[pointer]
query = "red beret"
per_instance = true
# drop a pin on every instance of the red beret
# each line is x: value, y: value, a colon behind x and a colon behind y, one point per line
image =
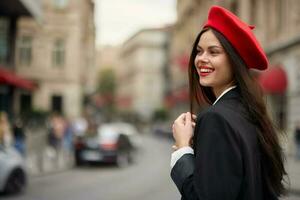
x: 240, y: 35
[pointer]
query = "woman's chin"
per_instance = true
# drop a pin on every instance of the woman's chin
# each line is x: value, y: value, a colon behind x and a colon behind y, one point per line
x: 204, y: 84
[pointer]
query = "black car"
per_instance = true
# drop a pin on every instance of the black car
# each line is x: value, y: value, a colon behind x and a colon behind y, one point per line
x: 113, y: 143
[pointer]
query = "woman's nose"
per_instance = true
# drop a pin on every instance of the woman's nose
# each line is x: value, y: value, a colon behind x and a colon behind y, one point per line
x: 202, y: 58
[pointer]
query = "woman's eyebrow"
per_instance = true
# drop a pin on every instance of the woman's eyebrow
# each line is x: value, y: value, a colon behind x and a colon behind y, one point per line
x: 214, y: 46
x: 210, y: 47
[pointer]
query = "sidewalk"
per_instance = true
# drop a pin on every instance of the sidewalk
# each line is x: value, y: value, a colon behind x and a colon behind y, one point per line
x: 293, y: 170
x: 48, y: 161
x: 41, y: 158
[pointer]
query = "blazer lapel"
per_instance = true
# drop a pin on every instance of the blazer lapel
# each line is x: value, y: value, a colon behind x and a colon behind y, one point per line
x: 232, y: 94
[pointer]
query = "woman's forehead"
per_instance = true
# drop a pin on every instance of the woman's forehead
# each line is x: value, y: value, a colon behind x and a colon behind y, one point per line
x: 208, y: 39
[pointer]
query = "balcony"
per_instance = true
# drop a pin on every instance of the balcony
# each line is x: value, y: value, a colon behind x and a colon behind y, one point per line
x: 16, y: 8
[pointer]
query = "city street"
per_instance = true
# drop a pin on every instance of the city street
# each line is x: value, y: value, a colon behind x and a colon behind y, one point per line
x: 147, y: 179
x: 82, y: 81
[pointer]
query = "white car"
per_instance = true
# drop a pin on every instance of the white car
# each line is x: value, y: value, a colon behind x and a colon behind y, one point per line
x: 13, y: 175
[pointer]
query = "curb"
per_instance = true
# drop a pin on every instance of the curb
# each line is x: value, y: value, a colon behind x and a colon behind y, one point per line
x: 47, y: 164
x: 295, y: 192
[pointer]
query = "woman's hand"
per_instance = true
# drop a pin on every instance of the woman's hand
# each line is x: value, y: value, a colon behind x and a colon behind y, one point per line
x: 183, y: 130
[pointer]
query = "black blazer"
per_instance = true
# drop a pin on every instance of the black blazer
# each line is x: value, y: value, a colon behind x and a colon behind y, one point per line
x: 226, y: 164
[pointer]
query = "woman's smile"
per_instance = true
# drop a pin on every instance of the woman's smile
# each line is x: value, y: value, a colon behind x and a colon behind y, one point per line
x: 205, y: 71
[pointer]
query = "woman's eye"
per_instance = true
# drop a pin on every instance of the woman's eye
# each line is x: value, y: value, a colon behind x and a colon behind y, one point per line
x: 199, y: 51
x: 214, y: 52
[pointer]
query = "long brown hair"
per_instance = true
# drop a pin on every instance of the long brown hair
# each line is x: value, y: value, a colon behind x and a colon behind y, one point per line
x: 273, y: 170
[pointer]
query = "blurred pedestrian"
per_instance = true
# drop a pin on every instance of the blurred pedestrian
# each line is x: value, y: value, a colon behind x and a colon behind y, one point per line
x: 231, y: 150
x: 68, y: 137
x: 19, y: 136
x: 56, y: 130
x: 297, y: 140
x: 80, y: 126
x: 5, y: 130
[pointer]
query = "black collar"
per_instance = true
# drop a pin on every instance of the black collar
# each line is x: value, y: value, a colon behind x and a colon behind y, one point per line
x: 232, y: 94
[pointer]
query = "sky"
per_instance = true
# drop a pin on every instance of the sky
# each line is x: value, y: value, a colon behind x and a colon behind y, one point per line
x: 117, y: 20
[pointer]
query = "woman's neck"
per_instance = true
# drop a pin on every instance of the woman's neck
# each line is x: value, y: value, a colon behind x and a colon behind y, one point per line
x: 219, y: 91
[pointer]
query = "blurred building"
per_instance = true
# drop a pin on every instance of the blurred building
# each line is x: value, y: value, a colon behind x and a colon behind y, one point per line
x: 107, y: 66
x: 277, y: 28
x: 108, y: 57
x: 189, y: 21
x: 142, y: 76
x: 281, y: 37
x: 10, y: 82
x: 58, y: 54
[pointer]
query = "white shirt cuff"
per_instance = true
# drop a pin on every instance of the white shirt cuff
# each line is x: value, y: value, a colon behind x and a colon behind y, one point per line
x: 176, y: 155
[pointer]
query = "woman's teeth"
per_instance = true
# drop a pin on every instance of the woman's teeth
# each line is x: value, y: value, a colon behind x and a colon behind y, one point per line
x: 206, y: 70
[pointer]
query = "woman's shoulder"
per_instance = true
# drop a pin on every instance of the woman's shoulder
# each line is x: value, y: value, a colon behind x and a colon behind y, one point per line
x: 211, y: 114
x: 215, y: 110
x: 227, y: 109
x: 211, y: 123
x: 231, y: 116
x: 222, y: 116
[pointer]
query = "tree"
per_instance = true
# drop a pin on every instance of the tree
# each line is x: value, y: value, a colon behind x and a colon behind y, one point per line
x: 107, y: 82
x: 106, y: 90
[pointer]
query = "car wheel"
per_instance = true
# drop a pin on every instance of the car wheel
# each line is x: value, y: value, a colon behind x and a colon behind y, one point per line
x: 16, y: 182
x: 78, y: 162
x: 123, y: 159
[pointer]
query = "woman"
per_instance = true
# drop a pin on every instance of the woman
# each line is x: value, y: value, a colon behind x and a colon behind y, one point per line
x: 231, y: 151
x: 5, y: 133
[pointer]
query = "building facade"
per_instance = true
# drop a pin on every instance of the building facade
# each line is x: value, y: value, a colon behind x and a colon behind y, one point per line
x: 108, y: 57
x: 10, y: 82
x: 142, y: 72
x: 58, y: 54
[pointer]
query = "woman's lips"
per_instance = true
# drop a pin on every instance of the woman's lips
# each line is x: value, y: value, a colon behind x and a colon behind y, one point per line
x: 205, y: 71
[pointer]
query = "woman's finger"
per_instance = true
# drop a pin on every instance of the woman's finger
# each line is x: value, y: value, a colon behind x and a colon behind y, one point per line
x: 193, y: 124
x: 180, y: 119
x: 188, y: 118
x: 174, y: 147
x: 194, y: 117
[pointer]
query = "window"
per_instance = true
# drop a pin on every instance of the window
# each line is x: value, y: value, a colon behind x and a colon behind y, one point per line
x: 4, y: 98
x: 297, y: 75
x: 4, y: 27
x: 58, y: 54
x: 57, y: 104
x: 280, y: 15
x: 60, y: 4
x: 234, y: 7
x: 25, y: 103
x: 253, y: 12
x: 25, y: 50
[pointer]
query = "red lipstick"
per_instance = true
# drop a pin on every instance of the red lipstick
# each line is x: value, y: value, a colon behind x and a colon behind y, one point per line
x: 205, y: 71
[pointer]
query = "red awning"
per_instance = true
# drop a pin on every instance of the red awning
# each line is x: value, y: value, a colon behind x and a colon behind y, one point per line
x: 124, y: 101
x: 274, y: 80
x: 183, y: 61
x: 9, y: 78
x: 178, y: 96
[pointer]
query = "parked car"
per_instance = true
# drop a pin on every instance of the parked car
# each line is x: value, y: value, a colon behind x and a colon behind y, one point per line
x: 163, y: 130
x: 13, y: 175
x: 114, y: 143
